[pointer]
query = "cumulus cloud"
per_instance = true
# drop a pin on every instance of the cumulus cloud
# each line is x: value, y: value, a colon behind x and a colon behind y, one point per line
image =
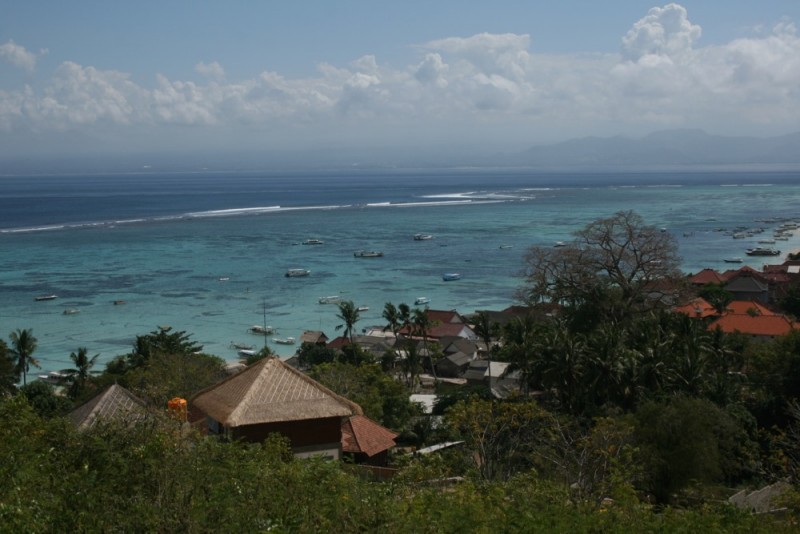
x: 490, y: 84
x: 17, y: 55
x: 664, y: 31
x: 212, y: 71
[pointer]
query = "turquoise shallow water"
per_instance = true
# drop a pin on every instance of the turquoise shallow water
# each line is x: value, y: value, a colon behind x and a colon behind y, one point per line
x: 169, y: 272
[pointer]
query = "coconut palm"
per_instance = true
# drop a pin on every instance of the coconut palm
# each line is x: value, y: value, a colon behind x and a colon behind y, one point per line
x: 348, y: 313
x: 79, y: 376
x: 486, y: 329
x: 422, y: 325
x: 392, y: 316
x: 23, y: 344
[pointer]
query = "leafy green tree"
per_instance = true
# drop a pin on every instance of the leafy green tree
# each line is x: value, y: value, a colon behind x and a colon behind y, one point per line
x: 349, y: 315
x: 168, y: 375
x: 43, y: 399
x: 8, y: 371
x: 160, y: 341
x: 311, y: 354
x: 23, y: 345
x: 520, y: 346
x: 716, y: 295
x: 381, y: 398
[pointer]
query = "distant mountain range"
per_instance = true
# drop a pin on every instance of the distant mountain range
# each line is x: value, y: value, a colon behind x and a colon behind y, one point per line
x: 664, y: 148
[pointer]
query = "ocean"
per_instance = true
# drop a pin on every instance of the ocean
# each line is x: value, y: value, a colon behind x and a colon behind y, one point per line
x: 207, y: 253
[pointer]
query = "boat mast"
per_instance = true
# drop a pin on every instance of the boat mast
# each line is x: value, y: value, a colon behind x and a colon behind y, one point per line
x: 264, y: 309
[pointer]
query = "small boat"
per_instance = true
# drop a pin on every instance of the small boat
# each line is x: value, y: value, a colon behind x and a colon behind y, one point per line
x: 313, y: 242
x: 367, y: 254
x: 502, y: 247
x: 760, y: 251
x: 45, y: 297
x: 332, y: 299
x: 422, y: 300
x: 449, y: 277
x: 224, y: 278
x: 362, y: 308
x: 119, y: 302
x: 262, y: 330
x: 422, y: 237
x: 297, y: 273
x: 54, y: 377
x: 71, y: 311
x: 559, y: 244
x: 242, y: 346
x: 733, y: 260
x: 767, y: 241
x: 247, y: 352
x: 284, y: 340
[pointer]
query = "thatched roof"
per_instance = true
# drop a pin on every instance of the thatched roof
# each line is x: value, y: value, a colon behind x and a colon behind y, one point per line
x: 361, y: 434
x: 115, y: 403
x: 270, y: 391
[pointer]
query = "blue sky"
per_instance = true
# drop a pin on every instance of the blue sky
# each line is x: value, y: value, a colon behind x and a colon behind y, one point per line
x: 96, y: 77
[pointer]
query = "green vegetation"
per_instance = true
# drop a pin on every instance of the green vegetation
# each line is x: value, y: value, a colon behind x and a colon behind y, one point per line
x: 629, y: 418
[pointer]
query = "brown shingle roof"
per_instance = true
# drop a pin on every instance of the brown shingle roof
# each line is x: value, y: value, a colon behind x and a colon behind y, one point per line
x: 707, y: 276
x: 115, y: 403
x: 361, y: 434
x: 271, y: 391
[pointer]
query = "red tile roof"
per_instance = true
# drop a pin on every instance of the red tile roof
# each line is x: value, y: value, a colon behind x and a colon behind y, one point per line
x: 698, y: 307
x: 748, y: 307
x: 706, y: 276
x: 760, y: 325
x: 361, y: 434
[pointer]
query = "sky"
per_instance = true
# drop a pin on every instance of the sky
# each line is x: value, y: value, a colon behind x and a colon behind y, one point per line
x: 99, y: 77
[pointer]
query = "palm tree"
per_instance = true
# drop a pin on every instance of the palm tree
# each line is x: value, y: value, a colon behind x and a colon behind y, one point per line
x: 348, y: 313
x: 392, y: 316
x: 422, y: 324
x: 485, y: 328
x: 519, y: 347
x: 80, y: 374
x: 23, y: 344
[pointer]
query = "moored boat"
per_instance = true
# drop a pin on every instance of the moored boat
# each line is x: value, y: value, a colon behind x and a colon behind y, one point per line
x: 449, y: 277
x: 71, y: 311
x: 313, y: 242
x: 45, y: 297
x: 422, y: 300
x: 422, y: 237
x: 331, y: 299
x: 262, y: 330
x: 297, y: 273
x: 284, y: 340
x: 761, y: 251
x: 367, y: 254
x: 733, y: 260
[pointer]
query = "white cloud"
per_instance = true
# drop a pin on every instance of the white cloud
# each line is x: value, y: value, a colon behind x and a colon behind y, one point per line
x: 487, y: 85
x: 17, y: 55
x: 213, y: 71
x: 663, y: 31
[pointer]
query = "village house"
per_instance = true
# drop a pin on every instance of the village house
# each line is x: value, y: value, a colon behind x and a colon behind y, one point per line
x: 113, y: 404
x: 746, y: 317
x: 270, y: 396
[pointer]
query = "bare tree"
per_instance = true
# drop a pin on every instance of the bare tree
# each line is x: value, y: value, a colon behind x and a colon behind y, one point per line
x: 618, y: 261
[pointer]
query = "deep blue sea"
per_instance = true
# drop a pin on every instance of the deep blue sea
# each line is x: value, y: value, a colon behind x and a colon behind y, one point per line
x: 207, y: 252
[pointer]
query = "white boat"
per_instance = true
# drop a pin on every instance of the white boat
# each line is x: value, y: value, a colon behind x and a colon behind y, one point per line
x: 559, y: 244
x: 331, y: 299
x: 367, y: 254
x: 71, y: 311
x: 242, y: 346
x: 313, y: 242
x: 45, y: 297
x: 362, y: 308
x: 422, y: 300
x: 247, y: 352
x: 449, y: 277
x: 297, y: 273
x: 224, y: 278
x: 733, y: 260
x: 760, y: 251
x: 506, y: 246
x: 422, y: 237
x: 262, y: 330
x: 284, y: 340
